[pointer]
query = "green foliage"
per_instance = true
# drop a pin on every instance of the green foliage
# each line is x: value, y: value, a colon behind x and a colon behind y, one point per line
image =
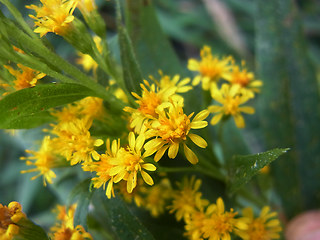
x: 124, y: 224
x: 27, y: 108
x: 290, y: 103
x: 82, y: 196
x: 29, y: 230
x: 152, y: 47
x: 245, y: 167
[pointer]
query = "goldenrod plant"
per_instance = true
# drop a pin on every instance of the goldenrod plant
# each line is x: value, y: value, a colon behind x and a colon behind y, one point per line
x: 125, y: 140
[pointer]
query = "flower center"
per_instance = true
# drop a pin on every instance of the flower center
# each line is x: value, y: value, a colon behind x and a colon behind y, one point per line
x: 149, y: 103
x: 231, y: 105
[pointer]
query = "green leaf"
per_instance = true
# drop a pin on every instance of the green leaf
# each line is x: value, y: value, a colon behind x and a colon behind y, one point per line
x: 290, y: 103
x: 151, y: 46
x: 245, y: 167
x: 29, y: 230
x: 131, y: 69
x: 26, y: 108
x: 82, y: 196
x: 124, y: 224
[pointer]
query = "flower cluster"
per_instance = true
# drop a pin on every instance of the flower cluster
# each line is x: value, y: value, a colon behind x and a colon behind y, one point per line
x: 19, y: 76
x: 239, y: 85
x: 121, y: 163
x: 69, y: 139
x: 64, y: 228
x: 161, y: 118
x: 9, y: 217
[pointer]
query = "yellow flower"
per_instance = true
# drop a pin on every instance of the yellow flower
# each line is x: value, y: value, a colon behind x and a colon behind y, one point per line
x: 102, y: 169
x: 264, y: 227
x: 53, y: 16
x: 167, y: 82
x: 121, y: 163
x: 64, y: 229
x: 211, y: 69
x: 244, y: 79
x: 157, y: 197
x: 172, y: 129
x: 25, y: 77
x: 187, y: 199
x: 149, y: 101
x: 230, y: 98
x: 89, y: 108
x: 87, y: 62
x: 44, y: 160
x: 129, y: 161
x: 9, y: 217
x: 220, y: 223
x: 194, y: 225
x: 74, y: 141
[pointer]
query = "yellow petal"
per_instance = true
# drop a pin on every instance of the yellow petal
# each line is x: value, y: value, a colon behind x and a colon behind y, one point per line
x: 216, y: 119
x: 98, y: 142
x: 95, y: 155
x: 149, y: 167
x: 215, y: 108
x: 192, y: 158
x: 173, y: 150
x: 239, y: 120
x: 139, y: 142
x: 249, y: 110
x: 160, y: 153
x: 193, y: 65
x: 146, y: 177
x: 198, y: 140
x: 132, y: 140
x: 196, y: 80
x: 198, y: 124
x: 201, y: 115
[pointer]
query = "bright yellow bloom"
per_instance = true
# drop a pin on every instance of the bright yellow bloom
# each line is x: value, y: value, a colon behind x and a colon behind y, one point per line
x: 53, y: 16
x: 220, y: 223
x: 74, y: 141
x: 167, y: 82
x: 121, y: 163
x: 187, y: 199
x: 264, y: 227
x: 149, y: 101
x: 25, y: 77
x: 87, y: 62
x: 230, y: 98
x: 129, y: 161
x: 244, y: 79
x: 44, y: 161
x: 64, y: 229
x: 194, y: 225
x: 211, y: 69
x: 9, y: 217
x: 102, y: 169
x: 172, y: 129
x: 89, y: 108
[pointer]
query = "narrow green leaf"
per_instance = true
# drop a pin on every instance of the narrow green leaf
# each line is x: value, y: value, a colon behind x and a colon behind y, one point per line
x: 19, y: 109
x: 245, y: 167
x: 131, y: 69
x: 124, y: 224
x: 82, y: 196
x: 151, y: 46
